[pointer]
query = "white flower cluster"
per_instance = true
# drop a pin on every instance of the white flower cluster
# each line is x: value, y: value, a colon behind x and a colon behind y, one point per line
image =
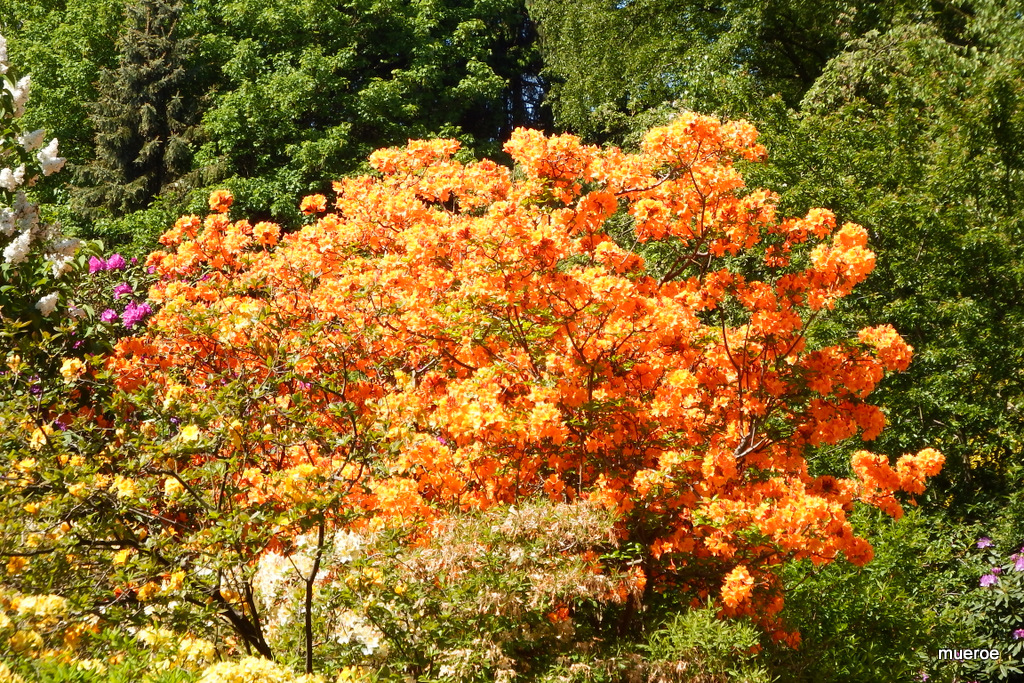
x: 48, y: 159
x: 345, y: 546
x: 353, y: 629
x: 20, y: 222
x: 10, y: 180
x: 19, y: 93
x: 279, y: 580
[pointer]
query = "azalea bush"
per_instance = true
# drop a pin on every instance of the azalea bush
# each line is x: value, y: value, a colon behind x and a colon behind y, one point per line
x: 321, y: 446
x: 458, y: 336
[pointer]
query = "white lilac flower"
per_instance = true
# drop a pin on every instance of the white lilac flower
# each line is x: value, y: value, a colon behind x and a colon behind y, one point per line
x: 11, y: 179
x: 30, y: 142
x: 47, y: 156
x: 7, y: 222
x: 17, y: 250
x: 3, y: 56
x: 59, y: 264
x: 26, y: 214
x: 65, y: 247
x: 20, y: 93
x: 47, y: 304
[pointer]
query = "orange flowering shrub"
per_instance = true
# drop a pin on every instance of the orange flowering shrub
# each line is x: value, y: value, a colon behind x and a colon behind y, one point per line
x: 589, y: 326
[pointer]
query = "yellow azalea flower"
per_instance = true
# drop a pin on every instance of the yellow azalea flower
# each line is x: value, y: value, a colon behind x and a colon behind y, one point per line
x: 121, y: 556
x: 174, y: 393
x: 25, y: 640
x: 39, y: 437
x: 125, y: 487
x: 13, y: 361
x: 77, y: 490
x: 174, y: 582
x: 172, y: 487
x: 155, y: 637
x: 16, y: 564
x: 71, y: 369
x: 189, y: 433
x: 235, y: 431
x: 94, y: 665
x: 42, y: 606
x: 147, y: 591
x: 31, y: 508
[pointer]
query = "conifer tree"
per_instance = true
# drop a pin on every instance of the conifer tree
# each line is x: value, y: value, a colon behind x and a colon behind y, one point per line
x: 144, y: 117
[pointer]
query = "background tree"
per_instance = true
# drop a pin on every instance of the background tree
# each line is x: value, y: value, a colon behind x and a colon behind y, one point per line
x: 611, y: 60
x: 66, y: 43
x: 309, y: 89
x: 145, y: 114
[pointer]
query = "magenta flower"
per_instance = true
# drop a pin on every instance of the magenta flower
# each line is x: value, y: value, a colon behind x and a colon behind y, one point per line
x: 989, y: 580
x: 122, y: 289
x: 116, y: 262
x: 985, y: 542
x: 96, y: 265
x: 1018, y: 563
x: 108, y: 316
x: 997, y: 570
x: 1018, y: 634
x: 133, y: 313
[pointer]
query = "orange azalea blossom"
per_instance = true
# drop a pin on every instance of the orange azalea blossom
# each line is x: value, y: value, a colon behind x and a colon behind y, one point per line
x: 503, y: 341
x: 220, y: 201
x: 314, y: 203
x: 738, y: 587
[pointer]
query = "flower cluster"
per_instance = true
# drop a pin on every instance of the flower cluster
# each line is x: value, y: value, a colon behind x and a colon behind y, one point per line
x: 115, y: 289
x: 19, y: 218
x: 253, y: 670
x: 176, y: 651
x: 277, y: 586
x: 114, y: 262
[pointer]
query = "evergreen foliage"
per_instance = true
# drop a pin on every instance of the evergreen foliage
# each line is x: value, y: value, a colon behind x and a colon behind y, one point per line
x: 145, y: 115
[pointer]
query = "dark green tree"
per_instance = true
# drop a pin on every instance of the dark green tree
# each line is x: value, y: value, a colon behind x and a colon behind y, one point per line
x: 145, y: 116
